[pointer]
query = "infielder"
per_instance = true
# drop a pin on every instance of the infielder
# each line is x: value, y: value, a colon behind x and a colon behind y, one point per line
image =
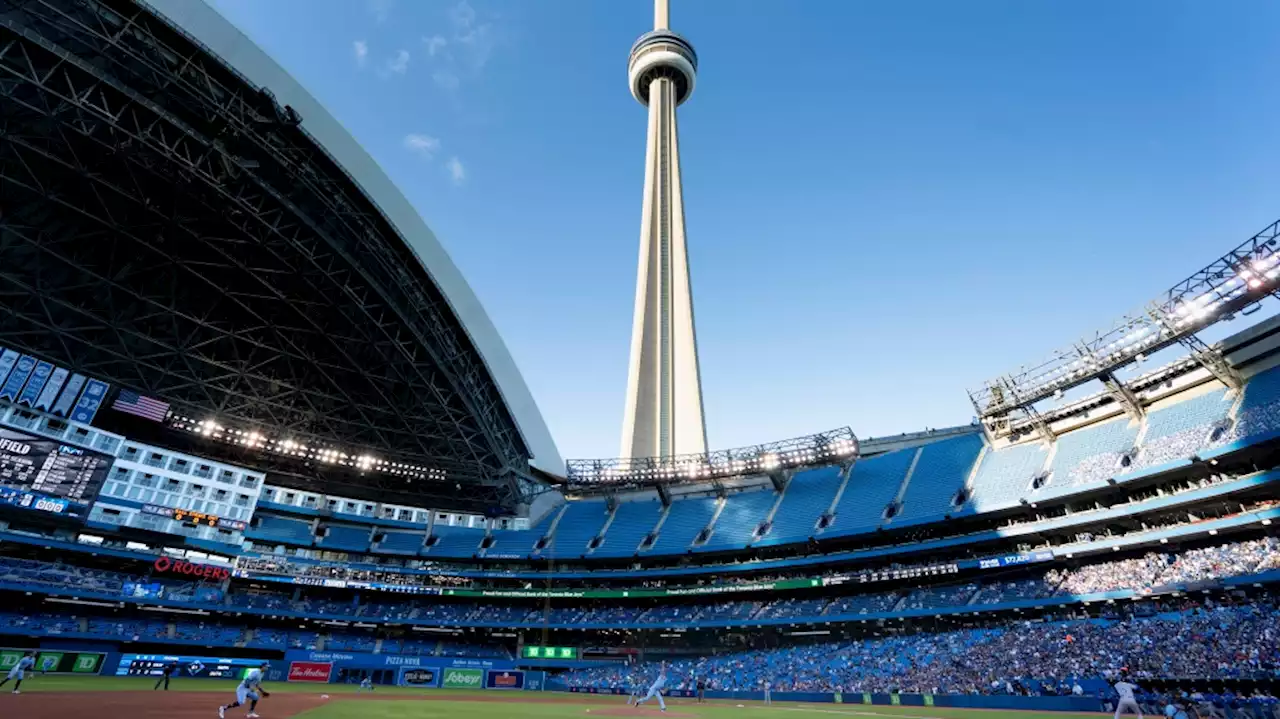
x: 248, y: 690
x: 19, y: 671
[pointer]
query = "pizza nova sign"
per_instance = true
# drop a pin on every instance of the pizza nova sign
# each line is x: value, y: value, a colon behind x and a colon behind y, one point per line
x: 168, y: 565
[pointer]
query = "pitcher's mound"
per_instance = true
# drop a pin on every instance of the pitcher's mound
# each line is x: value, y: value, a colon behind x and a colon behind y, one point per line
x: 653, y: 713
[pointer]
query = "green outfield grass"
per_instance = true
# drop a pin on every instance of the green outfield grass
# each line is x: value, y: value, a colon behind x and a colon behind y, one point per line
x: 477, y: 704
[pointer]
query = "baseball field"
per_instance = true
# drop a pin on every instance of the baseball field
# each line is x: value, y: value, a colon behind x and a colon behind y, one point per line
x: 63, y: 697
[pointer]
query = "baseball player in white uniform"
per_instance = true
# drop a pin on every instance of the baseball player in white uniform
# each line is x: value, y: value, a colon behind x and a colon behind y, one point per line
x: 250, y: 690
x: 1127, y: 701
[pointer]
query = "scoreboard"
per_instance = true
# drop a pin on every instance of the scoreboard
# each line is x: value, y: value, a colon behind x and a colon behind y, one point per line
x: 187, y: 516
x: 47, y: 475
x: 152, y: 665
x: 537, y: 652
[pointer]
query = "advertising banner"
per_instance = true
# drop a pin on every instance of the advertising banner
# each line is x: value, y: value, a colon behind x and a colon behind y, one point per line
x: 419, y: 677
x: 504, y: 680
x: 462, y: 678
x: 317, y: 672
x: 54, y: 662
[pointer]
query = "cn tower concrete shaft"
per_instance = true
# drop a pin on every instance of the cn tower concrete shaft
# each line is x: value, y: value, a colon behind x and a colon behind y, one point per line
x: 664, y: 388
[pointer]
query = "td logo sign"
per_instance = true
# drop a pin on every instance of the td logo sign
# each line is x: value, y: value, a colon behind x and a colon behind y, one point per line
x: 462, y: 678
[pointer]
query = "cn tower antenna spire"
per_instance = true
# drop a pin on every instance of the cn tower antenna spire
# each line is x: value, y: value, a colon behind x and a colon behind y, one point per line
x: 664, y: 415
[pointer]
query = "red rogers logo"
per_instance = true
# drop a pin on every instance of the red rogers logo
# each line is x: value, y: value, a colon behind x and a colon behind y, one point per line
x: 182, y: 566
x: 310, y: 671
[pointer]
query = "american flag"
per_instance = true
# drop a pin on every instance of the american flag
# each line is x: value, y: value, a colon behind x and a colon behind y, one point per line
x: 135, y: 404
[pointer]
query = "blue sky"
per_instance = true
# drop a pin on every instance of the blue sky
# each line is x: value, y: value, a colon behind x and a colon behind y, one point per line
x: 888, y: 201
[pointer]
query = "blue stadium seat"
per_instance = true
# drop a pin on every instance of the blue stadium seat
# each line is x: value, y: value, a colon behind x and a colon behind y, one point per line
x: 455, y: 542
x: 872, y: 486
x: 685, y: 519
x: 281, y: 529
x: 1089, y: 455
x: 807, y: 497
x: 738, y: 520
x: 580, y: 524
x: 1179, y: 430
x: 520, y: 543
x: 402, y: 542
x: 1005, y: 476
x: 942, y: 470
x: 631, y: 522
x: 1260, y: 408
x: 344, y: 538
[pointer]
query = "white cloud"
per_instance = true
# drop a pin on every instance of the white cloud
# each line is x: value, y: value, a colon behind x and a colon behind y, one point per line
x: 424, y: 145
x: 400, y: 63
x: 436, y: 44
x: 463, y: 54
x: 476, y: 38
x: 457, y: 172
x: 361, y: 50
x: 446, y: 79
x: 380, y: 9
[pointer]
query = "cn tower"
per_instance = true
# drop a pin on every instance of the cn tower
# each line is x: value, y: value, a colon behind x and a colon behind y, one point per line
x: 664, y: 389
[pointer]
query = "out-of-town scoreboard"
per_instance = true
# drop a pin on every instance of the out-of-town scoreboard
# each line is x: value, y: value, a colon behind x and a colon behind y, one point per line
x: 538, y: 652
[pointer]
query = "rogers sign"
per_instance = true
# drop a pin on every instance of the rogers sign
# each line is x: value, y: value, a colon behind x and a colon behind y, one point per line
x: 182, y: 566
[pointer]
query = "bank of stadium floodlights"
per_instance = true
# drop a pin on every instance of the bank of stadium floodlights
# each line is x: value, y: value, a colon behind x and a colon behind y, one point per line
x: 1240, y: 278
x: 837, y: 446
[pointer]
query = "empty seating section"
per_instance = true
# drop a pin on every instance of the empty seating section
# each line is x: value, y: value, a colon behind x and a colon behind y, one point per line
x: 1090, y: 454
x: 784, y: 608
x: 685, y: 519
x: 940, y: 472
x: 274, y: 638
x: 936, y: 597
x: 350, y: 642
x: 478, y: 651
x: 998, y: 592
x: 520, y: 542
x: 807, y: 497
x: 1260, y: 410
x: 737, y: 522
x: 631, y: 522
x: 416, y: 647
x: 281, y: 529
x: 352, y: 539
x: 872, y: 486
x: 581, y: 522
x: 386, y: 612
x: 1179, y: 430
x: 730, y: 610
x: 862, y: 604
x: 402, y: 542
x: 455, y: 541
x: 303, y: 640
x: 1005, y: 476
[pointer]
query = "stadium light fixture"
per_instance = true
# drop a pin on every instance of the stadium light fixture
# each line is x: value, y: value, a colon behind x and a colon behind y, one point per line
x: 825, y: 448
x: 1239, y: 278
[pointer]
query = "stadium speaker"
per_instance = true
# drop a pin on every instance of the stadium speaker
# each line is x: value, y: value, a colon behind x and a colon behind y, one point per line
x: 380, y: 537
x: 322, y: 532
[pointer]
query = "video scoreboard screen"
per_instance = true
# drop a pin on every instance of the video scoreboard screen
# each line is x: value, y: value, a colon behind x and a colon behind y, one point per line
x: 187, y: 516
x: 46, y: 475
x: 536, y: 652
x: 152, y: 665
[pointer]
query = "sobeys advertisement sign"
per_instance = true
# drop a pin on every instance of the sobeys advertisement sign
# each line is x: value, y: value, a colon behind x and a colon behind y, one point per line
x: 462, y: 678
